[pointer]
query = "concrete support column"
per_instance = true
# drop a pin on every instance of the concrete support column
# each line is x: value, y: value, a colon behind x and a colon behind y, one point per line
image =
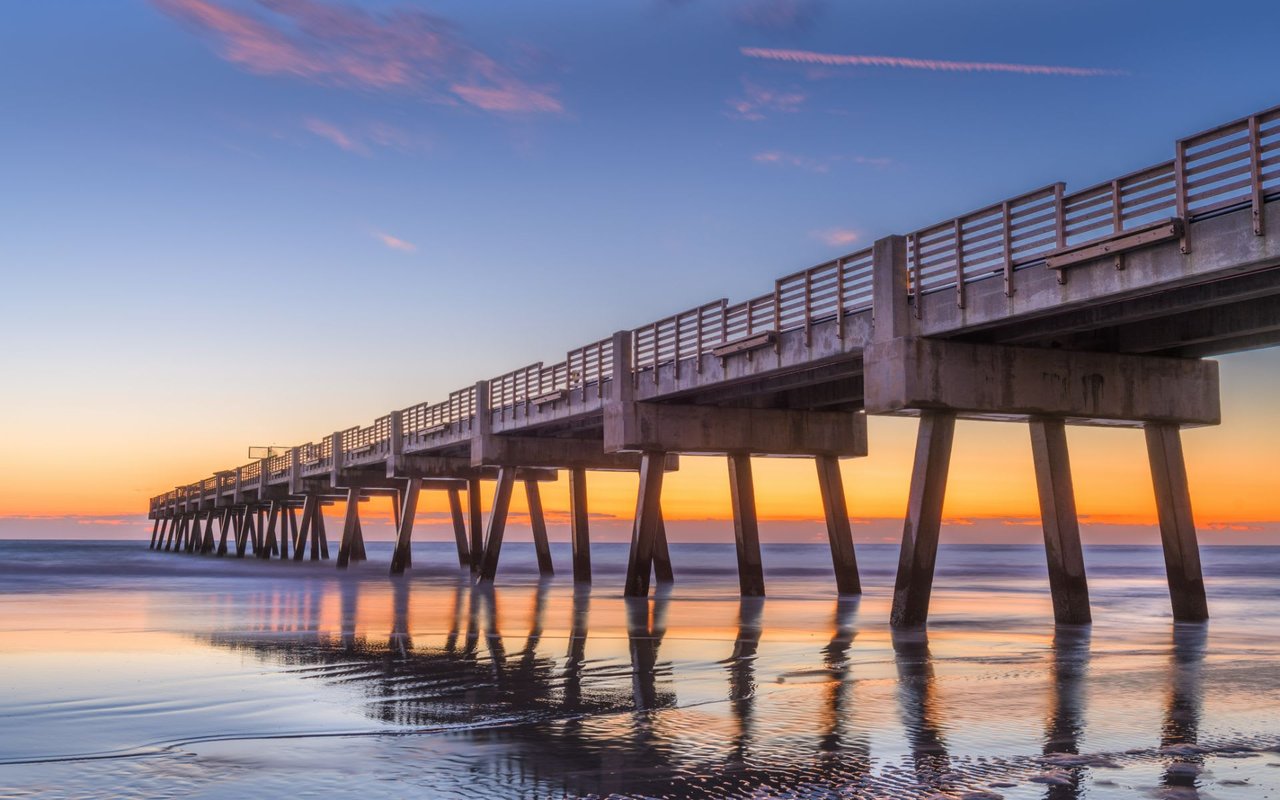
x: 155, y: 528
x: 662, y: 572
x: 1177, y: 528
x: 319, y: 538
x: 404, y: 531
x: 172, y: 524
x: 310, y: 504
x: 288, y: 530
x: 459, y: 528
x: 350, y: 522
x: 206, y: 546
x: 538, y: 522
x: 357, y: 546
x: 843, y: 559
x: 746, y: 527
x: 475, y: 523
x: 497, y: 523
x: 244, y: 531
x: 224, y: 525
x: 648, y: 523
x: 1061, y: 527
x: 175, y: 539
x: 273, y: 516
x: 924, y: 519
x: 579, y: 531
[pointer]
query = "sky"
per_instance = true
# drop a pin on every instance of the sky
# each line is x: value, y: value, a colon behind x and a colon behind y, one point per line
x: 246, y: 222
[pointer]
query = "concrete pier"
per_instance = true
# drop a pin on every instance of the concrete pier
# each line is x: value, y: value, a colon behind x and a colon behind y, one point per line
x: 1098, y: 306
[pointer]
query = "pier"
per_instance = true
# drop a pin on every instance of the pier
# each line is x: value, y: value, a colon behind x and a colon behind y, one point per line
x: 1098, y: 306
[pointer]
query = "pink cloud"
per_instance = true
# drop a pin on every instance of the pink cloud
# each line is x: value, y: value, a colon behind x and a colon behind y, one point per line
x: 757, y: 100
x: 835, y: 60
x: 811, y: 164
x: 363, y: 138
x: 805, y: 163
x: 403, y: 50
x: 837, y: 237
x: 394, y: 243
x: 335, y: 135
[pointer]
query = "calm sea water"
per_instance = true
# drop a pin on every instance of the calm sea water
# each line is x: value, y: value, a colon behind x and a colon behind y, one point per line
x: 126, y: 673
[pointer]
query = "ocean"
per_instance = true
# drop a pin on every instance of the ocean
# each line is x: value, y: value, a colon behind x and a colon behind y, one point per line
x: 131, y: 674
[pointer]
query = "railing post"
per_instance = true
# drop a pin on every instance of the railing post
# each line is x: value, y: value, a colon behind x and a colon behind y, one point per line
x: 1007, y: 239
x: 840, y: 298
x: 958, y: 236
x: 676, y: 365
x: 1180, y: 192
x: 483, y: 416
x: 237, y: 496
x: 655, y: 353
x: 335, y: 462
x: 295, y: 470
x: 599, y: 371
x: 913, y: 246
x: 395, y: 442
x: 888, y: 280
x: 1117, y: 219
x: 697, y: 349
x: 1255, y: 173
x: 808, y: 308
x: 1060, y: 224
x: 777, y: 316
x: 624, y: 388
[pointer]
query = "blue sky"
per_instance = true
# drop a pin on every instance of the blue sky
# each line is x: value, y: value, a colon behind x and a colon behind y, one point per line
x: 216, y: 209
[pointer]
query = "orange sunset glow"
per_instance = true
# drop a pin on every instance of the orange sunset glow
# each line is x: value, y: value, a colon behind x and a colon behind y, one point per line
x: 1231, y: 468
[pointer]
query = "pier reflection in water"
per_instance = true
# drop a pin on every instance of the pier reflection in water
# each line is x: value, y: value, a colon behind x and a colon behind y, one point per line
x: 303, y: 683
x: 584, y: 695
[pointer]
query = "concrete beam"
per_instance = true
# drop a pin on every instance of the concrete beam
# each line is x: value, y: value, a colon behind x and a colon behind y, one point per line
x: 980, y: 381
x: 459, y: 469
x: 534, y: 451
x: 657, y: 427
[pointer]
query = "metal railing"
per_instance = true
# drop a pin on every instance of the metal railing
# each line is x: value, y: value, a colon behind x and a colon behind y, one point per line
x: 1231, y: 166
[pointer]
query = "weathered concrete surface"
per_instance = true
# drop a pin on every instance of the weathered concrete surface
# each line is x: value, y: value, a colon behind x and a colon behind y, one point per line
x: 532, y: 451
x: 664, y: 428
x: 1177, y: 524
x: 1000, y: 382
x: 1220, y: 246
x: 1062, y: 548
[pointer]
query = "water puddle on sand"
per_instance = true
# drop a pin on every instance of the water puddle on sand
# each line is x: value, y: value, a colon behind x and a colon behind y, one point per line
x: 188, y: 677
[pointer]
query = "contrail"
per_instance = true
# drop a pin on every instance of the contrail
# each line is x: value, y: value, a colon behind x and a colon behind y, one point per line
x: 835, y: 60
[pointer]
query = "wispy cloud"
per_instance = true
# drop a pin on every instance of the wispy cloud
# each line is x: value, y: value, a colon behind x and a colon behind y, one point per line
x: 935, y: 65
x: 363, y: 138
x: 395, y: 243
x: 335, y: 135
x: 757, y: 101
x: 836, y: 237
x: 404, y: 50
x: 776, y: 157
x: 811, y: 164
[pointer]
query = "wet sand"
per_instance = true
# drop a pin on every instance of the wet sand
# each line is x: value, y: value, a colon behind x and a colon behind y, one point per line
x: 127, y: 673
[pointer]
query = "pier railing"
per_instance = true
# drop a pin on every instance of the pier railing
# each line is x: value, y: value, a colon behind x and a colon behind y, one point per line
x: 1231, y: 166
